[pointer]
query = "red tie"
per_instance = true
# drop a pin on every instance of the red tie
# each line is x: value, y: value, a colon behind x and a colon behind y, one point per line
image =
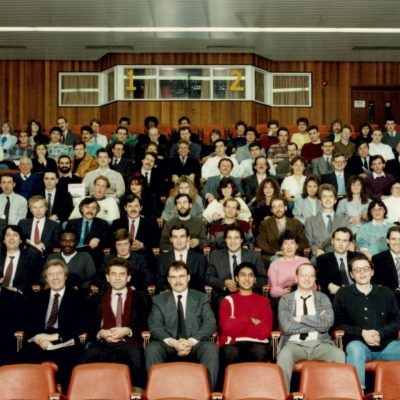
x: 9, y: 272
x: 132, y: 230
x: 36, y: 235
x: 118, y: 318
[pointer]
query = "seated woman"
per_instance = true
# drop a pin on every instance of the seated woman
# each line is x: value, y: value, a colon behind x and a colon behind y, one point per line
x: 292, y: 185
x: 392, y: 202
x: 308, y: 204
x: 365, y: 134
x: 186, y: 186
x: 371, y: 237
x: 35, y: 132
x: 226, y: 190
x: 355, y: 205
x: 40, y: 162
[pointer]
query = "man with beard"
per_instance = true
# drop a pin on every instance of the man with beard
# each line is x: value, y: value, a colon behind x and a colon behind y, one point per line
x: 65, y: 174
x: 197, y: 229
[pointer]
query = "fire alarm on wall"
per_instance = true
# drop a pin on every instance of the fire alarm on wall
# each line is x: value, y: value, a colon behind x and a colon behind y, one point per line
x: 324, y: 83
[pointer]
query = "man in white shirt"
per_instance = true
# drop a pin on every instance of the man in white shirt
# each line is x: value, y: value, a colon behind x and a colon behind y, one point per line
x: 376, y: 147
x: 98, y: 138
x: 13, y: 207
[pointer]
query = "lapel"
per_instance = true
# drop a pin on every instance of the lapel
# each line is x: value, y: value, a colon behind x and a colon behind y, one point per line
x: 20, y: 266
x: 274, y: 227
x: 172, y: 313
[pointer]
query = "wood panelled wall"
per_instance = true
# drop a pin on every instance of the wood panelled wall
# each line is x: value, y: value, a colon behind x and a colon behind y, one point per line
x: 28, y: 89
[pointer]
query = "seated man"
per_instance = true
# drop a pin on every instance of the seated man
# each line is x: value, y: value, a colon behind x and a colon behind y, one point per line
x: 323, y: 165
x: 65, y: 176
x: 301, y: 136
x: 219, y: 274
x: 120, y: 316
x: 370, y: 317
x: 80, y: 265
x: 196, y: 263
x: 245, y: 320
x: 87, y: 138
x: 83, y: 162
x: 360, y: 163
x: 27, y: 183
x: 121, y: 162
x: 58, y: 316
x: 345, y: 146
x: 313, y: 149
x: 378, y: 183
x: 180, y: 323
x: 185, y: 134
x: 305, y: 316
x: 338, y: 178
x: 56, y: 148
x: 13, y: 207
x: 278, y: 152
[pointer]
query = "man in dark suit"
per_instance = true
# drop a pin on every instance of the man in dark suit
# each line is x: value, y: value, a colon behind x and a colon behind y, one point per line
x: 251, y: 183
x: 332, y: 267
x: 180, y: 323
x: 27, y: 184
x: 219, y: 274
x: 387, y: 263
x: 59, y: 203
x: 68, y: 137
x: 392, y: 167
x: 65, y: 176
x: 195, y: 148
x: 391, y: 137
x: 119, y: 163
x: 196, y: 262
x: 120, y: 316
x: 338, y: 178
x: 40, y: 232
x: 20, y: 268
x: 360, y: 164
x: 58, y: 315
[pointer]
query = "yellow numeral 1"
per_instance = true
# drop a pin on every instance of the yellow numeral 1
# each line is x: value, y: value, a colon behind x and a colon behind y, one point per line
x: 131, y: 87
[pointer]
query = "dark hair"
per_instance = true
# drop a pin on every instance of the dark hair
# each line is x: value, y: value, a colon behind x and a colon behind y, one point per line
x: 327, y: 187
x: 180, y: 195
x: 124, y: 119
x: 395, y: 228
x: 363, y: 194
x: 117, y: 142
x: 225, y: 182
x: 217, y: 141
x: 150, y: 119
x: 37, y: 144
x: 69, y: 231
x: 245, y: 264
x: 283, y: 128
x: 251, y: 129
x: 327, y: 139
x: 260, y: 197
x: 363, y: 125
x: 183, y: 119
x: 335, y: 121
x: 394, y: 182
x: 86, y: 201
x: 130, y: 198
x: 86, y: 128
x: 63, y: 156
x: 311, y: 127
x: 361, y: 142
x: 14, y: 228
x: 293, y: 144
x: 7, y: 176
x: 255, y: 144
x: 177, y: 227
x: 177, y: 265
x: 347, y: 126
x: 56, y: 129
x: 258, y: 158
x: 38, y: 123
x: 377, y: 157
x: 376, y: 202
x: 272, y: 122
x: 302, y: 119
x: 310, y: 178
x: 184, y: 128
x: 122, y: 234
x: 288, y: 235
x: 124, y: 128
x: 234, y: 228
x: 240, y: 122
x: 343, y: 229
x: 301, y: 159
x: 337, y: 155
x: 102, y: 150
x: 140, y: 179
x: 80, y: 143
x: 360, y: 257
x: 118, y: 262
x: 95, y: 120
x: 225, y: 159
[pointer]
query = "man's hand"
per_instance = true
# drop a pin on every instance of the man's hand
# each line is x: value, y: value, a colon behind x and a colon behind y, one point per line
x: 371, y: 337
x: 137, y: 245
x: 231, y: 285
x: 54, y: 217
x: 94, y: 243
x: 255, y: 321
x: 333, y: 288
x: 43, y: 340
x: 194, y: 243
x: 319, y: 252
x: 187, y: 347
x: 114, y: 335
x: 210, y: 198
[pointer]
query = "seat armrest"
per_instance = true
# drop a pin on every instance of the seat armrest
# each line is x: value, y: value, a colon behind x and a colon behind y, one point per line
x: 275, y: 336
x: 297, y: 396
x: 373, y: 396
x: 136, y: 396
x: 338, y: 338
x: 146, y: 338
x: 217, y: 396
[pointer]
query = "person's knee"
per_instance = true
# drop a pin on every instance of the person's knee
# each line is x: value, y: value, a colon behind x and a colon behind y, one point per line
x: 356, y: 350
x: 339, y: 356
x: 285, y: 357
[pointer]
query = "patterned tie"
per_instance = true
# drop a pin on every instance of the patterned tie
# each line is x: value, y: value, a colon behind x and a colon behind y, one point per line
x: 9, y: 271
x: 234, y: 264
x: 303, y: 336
x: 118, y: 318
x: 54, y: 312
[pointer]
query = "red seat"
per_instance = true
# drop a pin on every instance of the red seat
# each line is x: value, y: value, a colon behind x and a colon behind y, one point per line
x: 208, y: 128
x: 387, y: 379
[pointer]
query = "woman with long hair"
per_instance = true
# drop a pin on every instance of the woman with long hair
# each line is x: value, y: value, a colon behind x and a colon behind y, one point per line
x: 41, y: 162
x: 308, y: 204
x: 36, y: 134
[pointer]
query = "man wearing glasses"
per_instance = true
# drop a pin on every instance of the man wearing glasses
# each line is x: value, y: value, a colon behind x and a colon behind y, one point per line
x: 370, y: 317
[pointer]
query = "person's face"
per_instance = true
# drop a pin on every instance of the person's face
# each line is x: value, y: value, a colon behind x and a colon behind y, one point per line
x: 122, y: 135
x: 336, y: 127
x: 395, y: 190
x: 79, y: 151
x: 269, y: 190
x: 363, y: 150
x: 227, y: 191
x: 86, y: 136
x: 184, y: 188
x: 312, y: 188
x: 292, y: 151
x: 356, y: 187
x: 377, y: 166
x: 298, y: 167
x: 215, y: 136
x: 89, y: 211
x: 305, y: 277
x: 38, y: 209
x: 289, y: 248
x: 390, y: 126
x: 394, y: 242
x: 246, y: 279
x: 339, y: 163
x: 261, y: 165
x: 54, y: 136
x: 273, y: 129
x: 55, y: 277
x: 183, y: 206
x: 123, y: 247
x: 341, y: 242
x: 283, y: 137
x: 327, y: 148
x: 152, y: 147
x: 118, y: 277
x: 185, y: 134
x: 64, y: 165
x: 62, y: 124
x: 50, y: 181
x: 68, y: 243
x: 103, y: 159
x: 240, y: 130
x: 220, y: 149
x: 178, y: 279
x: 23, y: 138
x: 100, y: 188
x: 25, y: 166
x: 255, y: 152
x: 377, y: 136
x: 365, y: 131
x: 231, y: 209
x: 250, y: 136
x: 179, y: 239
x: 96, y: 127
x: 7, y: 185
x: 346, y: 133
x: 148, y: 162
x: 225, y: 168
x: 378, y: 213
x: 361, y: 272
x: 34, y: 127
x: 184, y: 122
x: 154, y: 135
x: 302, y: 127
x: 328, y: 199
x: 124, y: 123
x: 118, y: 150
x: 41, y: 150
x: 133, y: 209
x: 278, y: 209
x: 183, y: 150
x: 233, y: 241
x: 12, y: 240
x: 136, y: 188
x: 314, y: 135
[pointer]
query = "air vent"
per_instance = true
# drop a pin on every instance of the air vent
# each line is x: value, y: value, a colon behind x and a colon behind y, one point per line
x: 376, y: 48
x: 109, y: 47
x: 11, y: 47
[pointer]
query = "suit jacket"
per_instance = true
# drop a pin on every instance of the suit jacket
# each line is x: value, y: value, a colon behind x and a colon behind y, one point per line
x: 302, y: 209
x: 317, y: 233
x: 191, y: 166
x: 329, y: 272
x: 70, y: 138
x: 195, y: 262
x: 27, y: 271
x: 319, y: 166
x: 385, y: 272
x: 87, y: 164
x: 332, y: 179
x: 62, y: 205
x: 354, y: 166
x: 158, y: 184
x: 250, y: 185
x: 219, y: 270
x: 212, y: 183
x: 72, y: 314
x: 124, y: 167
x: 199, y: 317
x: 50, y: 235
x: 99, y: 229
x: 392, y: 167
x: 390, y: 140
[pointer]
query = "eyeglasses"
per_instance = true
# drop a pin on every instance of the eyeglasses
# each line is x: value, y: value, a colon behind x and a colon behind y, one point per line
x: 361, y: 269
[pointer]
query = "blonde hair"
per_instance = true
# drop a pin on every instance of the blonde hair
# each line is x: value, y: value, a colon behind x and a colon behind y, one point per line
x: 192, y: 189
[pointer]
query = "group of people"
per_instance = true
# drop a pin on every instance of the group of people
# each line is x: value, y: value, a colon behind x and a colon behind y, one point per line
x: 90, y: 228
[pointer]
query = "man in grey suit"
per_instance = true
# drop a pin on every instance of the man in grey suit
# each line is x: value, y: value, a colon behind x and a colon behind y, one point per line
x: 68, y: 137
x: 323, y: 165
x: 319, y: 228
x: 219, y: 274
x: 180, y: 323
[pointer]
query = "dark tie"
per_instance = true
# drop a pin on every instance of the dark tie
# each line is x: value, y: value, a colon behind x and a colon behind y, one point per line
x: 36, y: 234
x: 330, y: 223
x: 132, y: 230
x: 9, y: 272
x: 234, y: 264
x: 343, y: 274
x: 118, y: 318
x: 181, y: 320
x: 365, y: 164
x: 147, y: 177
x: 86, y: 230
x: 48, y: 204
x: 328, y: 163
x: 7, y: 209
x: 303, y: 336
x: 183, y: 161
x: 115, y: 163
x: 54, y: 312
